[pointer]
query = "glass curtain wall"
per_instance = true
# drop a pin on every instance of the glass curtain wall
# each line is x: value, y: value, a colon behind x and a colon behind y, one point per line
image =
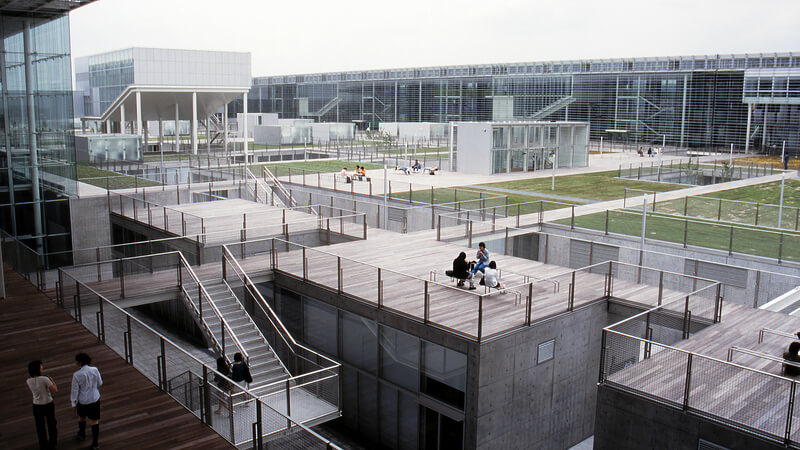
x: 385, y: 374
x: 37, y: 146
x: 694, y: 101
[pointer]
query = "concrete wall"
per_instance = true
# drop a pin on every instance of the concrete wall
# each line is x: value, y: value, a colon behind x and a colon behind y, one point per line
x: 474, y: 148
x: 267, y: 135
x: 625, y: 421
x: 522, y: 404
x: 763, y: 279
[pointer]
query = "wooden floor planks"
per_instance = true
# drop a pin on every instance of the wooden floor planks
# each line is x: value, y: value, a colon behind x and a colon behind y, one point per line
x: 135, y: 413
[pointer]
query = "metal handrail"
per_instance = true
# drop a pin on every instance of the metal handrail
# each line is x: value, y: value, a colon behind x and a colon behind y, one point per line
x: 213, y: 306
x: 289, y: 198
x: 762, y: 331
x: 747, y: 351
x: 282, y: 331
x: 250, y: 320
x: 211, y: 369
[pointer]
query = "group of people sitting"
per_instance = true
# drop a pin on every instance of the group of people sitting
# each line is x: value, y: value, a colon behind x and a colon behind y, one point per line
x: 416, y: 167
x: 464, y: 270
x: 359, y: 174
x: 651, y: 152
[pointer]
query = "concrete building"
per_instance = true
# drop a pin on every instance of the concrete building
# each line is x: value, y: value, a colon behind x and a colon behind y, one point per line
x: 505, y: 147
x: 750, y: 100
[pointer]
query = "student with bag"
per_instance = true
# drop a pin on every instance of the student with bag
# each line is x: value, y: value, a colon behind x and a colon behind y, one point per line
x: 240, y: 373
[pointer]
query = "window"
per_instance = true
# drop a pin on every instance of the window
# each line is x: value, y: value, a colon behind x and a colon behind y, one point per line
x: 444, y: 374
x: 400, y: 358
x: 545, y: 351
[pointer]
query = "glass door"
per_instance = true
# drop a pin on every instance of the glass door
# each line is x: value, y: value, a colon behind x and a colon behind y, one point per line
x: 441, y: 432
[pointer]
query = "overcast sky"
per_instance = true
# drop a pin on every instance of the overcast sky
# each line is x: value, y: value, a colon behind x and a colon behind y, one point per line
x: 288, y: 37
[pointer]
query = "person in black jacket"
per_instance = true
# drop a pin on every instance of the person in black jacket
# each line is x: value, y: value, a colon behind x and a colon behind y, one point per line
x: 240, y: 373
x: 461, y: 269
x: 793, y: 355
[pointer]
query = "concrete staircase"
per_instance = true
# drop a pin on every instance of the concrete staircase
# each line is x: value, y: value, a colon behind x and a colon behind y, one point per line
x: 265, y: 367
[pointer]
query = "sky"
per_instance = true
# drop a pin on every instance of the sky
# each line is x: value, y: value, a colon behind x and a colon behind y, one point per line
x: 310, y: 36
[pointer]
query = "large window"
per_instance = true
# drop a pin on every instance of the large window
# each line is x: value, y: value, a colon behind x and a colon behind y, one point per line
x: 444, y: 374
x: 400, y: 358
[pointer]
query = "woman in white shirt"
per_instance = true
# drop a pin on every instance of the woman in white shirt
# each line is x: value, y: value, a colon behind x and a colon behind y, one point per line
x: 44, y: 408
x: 490, y: 276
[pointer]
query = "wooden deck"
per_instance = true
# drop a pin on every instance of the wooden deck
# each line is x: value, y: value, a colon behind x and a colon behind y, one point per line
x: 135, y: 413
x: 756, y: 398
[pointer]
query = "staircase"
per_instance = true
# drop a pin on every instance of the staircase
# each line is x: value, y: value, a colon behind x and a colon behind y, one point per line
x: 265, y: 367
x: 553, y: 107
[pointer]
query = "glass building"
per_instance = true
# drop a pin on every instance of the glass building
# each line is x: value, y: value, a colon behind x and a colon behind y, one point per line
x: 695, y: 101
x: 37, y: 147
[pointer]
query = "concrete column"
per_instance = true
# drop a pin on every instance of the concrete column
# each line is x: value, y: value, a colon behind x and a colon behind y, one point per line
x: 194, y: 123
x: 208, y: 135
x: 764, y: 129
x: 244, y: 128
x: 34, y: 156
x: 747, y: 131
x: 177, y: 129
x: 122, y: 119
x: 139, y: 113
x: 108, y: 127
x: 83, y: 126
x: 160, y: 134
x: 146, y: 136
x: 225, y: 126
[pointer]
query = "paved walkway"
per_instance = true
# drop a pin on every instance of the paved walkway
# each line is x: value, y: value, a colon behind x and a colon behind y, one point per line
x: 535, y: 194
x: 135, y: 413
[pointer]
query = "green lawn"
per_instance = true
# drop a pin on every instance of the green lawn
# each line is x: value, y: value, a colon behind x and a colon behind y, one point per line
x: 112, y: 180
x: 701, y: 233
x: 591, y: 186
x: 150, y: 157
x: 529, y: 203
x: 327, y: 166
x: 768, y: 194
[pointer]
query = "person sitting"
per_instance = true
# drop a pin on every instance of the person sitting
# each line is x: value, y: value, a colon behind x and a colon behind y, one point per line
x: 460, y: 269
x: 357, y: 174
x: 641, y: 152
x: 793, y: 355
x: 343, y: 174
x: 491, y: 277
x: 432, y: 170
x: 417, y: 166
x: 404, y: 169
x: 363, y: 173
x: 481, y: 261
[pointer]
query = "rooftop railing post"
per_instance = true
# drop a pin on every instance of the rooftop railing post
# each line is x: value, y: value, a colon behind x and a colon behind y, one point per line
x: 339, y: 274
x: 719, y: 210
x: 685, y: 204
x: 427, y: 305
x: 288, y: 404
x: 685, y: 231
x: 380, y: 288
x: 780, y: 249
x: 305, y: 265
x: 128, y: 341
x: 200, y: 300
x: 494, y: 215
x: 688, y: 385
x: 100, y: 319
x: 787, y: 440
x: 660, y: 287
x: 572, y: 219
x: 686, y: 318
x: 438, y: 228
x: 161, y: 363
x: 603, y: 340
x: 541, y: 213
x: 364, y: 219
x: 469, y: 240
x: 730, y: 242
x: 606, y: 226
x: 571, y: 303
x: 529, y: 305
x: 480, y: 317
x: 718, y: 304
x: 505, y: 243
x: 756, y: 219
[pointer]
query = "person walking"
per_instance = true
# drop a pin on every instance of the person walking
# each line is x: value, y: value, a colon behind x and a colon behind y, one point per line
x: 222, y: 382
x: 85, y: 397
x: 44, y: 408
x: 240, y: 373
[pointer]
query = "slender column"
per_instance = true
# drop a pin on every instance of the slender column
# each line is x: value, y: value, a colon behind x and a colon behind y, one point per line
x: 244, y: 128
x: 139, y: 113
x: 122, y: 118
x: 764, y: 128
x: 452, y: 143
x: 747, y: 132
x: 108, y: 127
x: 177, y: 129
x: 225, y: 126
x: 7, y: 143
x: 34, y: 157
x: 161, y: 150
x: 194, y: 123
x: 208, y: 134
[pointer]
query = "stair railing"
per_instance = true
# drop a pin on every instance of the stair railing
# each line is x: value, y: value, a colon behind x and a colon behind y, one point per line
x: 202, y: 293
